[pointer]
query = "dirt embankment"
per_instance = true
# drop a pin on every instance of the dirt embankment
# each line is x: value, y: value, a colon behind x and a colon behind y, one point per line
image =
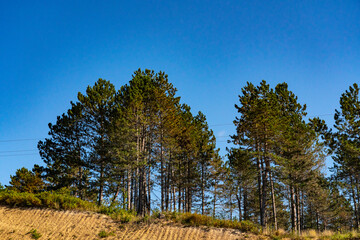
x: 16, y: 223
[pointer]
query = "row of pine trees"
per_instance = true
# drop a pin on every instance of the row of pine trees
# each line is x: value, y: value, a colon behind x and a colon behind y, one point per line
x: 140, y: 148
x: 127, y: 146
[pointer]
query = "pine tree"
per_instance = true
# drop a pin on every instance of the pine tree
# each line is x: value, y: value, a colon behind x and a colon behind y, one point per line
x: 64, y: 153
x: 26, y: 181
x: 346, y: 146
x: 98, y: 106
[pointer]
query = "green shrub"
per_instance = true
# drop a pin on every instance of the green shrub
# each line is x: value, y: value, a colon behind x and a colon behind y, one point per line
x: 104, y: 234
x: 16, y: 199
x: 171, y: 215
x: 44, y: 199
x: 122, y: 215
x: 247, y: 226
x: 35, y: 234
x: 195, y: 219
x: 155, y: 213
x: 64, y: 202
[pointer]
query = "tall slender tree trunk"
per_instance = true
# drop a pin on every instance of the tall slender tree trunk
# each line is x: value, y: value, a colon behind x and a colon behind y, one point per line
x: 358, y: 197
x: 80, y: 185
x: 263, y: 195
x: 273, y: 201
x: 293, y: 209
x: 173, y: 190
x: 129, y: 193
x: 238, y: 197
x: 162, y: 172
x: 214, y: 205
x: 202, y: 190
x: 183, y: 199
x: 317, y: 221
x: 259, y: 170
x: 149, y: 191
x: 117, y: 191
x: 137, y: 176
x: 174, y: 199
x: 179, y: 195
x: 246, y: 215
x: 101, y: 182
x: 230, y: 204
x: 187, y: 188
x: 356, y: 210
x: 167, y: 187
x: 298, y: 210
x: 302, y: 211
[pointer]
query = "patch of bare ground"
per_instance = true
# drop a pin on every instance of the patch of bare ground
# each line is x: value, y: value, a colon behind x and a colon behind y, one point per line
x: 16, y: 223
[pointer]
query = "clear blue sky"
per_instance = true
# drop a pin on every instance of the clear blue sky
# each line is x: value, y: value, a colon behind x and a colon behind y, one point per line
x: 50, y: 50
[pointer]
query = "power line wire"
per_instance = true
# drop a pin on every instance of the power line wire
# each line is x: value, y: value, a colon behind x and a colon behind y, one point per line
x: 18, y: 151
x: 14, y: 155
x: 21, y: 140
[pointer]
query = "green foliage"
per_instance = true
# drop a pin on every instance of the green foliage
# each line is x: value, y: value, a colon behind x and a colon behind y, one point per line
x: 195, y: 219
x: 172, y: 215
x: 25, y: 180
x: 44, y: 199
x: 16, y: 199
x: 104, y: 234
x: 155, y: 212
x: 345, y: 144
x: 35, y: 234
x: 66, y: 202
x: 110, y: 144
x: 123, y: 215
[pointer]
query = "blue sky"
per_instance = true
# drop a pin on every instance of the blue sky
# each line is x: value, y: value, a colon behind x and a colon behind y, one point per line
x: 51, y: 50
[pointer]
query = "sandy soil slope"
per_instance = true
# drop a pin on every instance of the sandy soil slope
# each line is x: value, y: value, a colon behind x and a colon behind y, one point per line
x: 15, y: 223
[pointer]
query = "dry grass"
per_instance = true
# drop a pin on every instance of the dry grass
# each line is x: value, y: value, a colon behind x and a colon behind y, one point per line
x: 310, y: 234
x: 313, y: 234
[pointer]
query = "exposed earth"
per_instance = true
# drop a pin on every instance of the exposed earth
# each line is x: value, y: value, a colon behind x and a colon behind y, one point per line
x: 17, y: 223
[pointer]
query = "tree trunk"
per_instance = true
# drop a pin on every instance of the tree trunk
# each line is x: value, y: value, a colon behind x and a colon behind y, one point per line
x: 358, y: 198
x: 259, y: 169
x: 101, y: 182
x: 356, y: 210
x: 263, y: 195
x: 129, y: 194
x: 214, y: 207
x: 149, y: 191
x: 162, y: 172
x: 202, y: 190
x: 246, y: 215
x: 317, y: 221
x: 298, y: 210
x: 230, y: 203
x: 238, y: 197
x: 293, y: 209
x: 115, y: 195
x: 273, y: 201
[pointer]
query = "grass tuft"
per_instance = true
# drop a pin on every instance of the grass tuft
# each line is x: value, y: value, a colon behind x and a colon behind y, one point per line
x: 194, y: 219
x: 104, y: 234
x: 35, y: 234
x: 313, y: 234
